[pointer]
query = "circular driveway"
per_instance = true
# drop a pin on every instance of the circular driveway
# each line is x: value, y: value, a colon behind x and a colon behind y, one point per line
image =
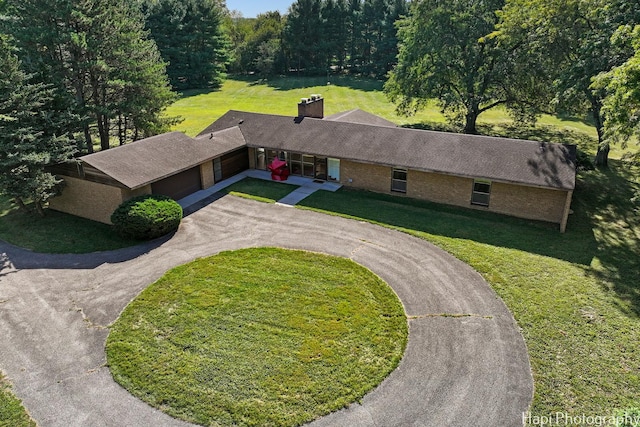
x: 465, y: 363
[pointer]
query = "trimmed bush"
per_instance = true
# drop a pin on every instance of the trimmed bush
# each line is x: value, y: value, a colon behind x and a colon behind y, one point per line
x: 147, y: 217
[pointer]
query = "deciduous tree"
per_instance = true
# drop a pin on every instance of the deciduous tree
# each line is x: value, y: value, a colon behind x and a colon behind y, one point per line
x: 571, y: 39
x: 621, y: 106
x: 447, y: 53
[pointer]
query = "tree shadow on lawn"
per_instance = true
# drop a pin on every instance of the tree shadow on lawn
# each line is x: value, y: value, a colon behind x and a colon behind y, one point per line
x: 188, y: 93
x: 614, y: 216
x: 60, y: 240
x: 290, y: 82
x: 603, y: 227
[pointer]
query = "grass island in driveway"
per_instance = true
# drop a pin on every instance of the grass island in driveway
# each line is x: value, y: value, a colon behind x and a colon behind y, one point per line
x: 258, y: 337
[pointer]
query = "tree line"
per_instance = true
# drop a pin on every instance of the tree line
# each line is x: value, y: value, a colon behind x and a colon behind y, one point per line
x: 319, y: 36
x: 79, y: 74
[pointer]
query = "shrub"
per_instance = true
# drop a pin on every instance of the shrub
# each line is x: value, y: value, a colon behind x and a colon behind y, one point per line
x: 583, y: 161
x: 147, y: 217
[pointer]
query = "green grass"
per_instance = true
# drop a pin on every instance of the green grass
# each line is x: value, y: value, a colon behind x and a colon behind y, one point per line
x: 281, y: 95
x: 258, y: 337
x: 576, y: 296
x: 57, y: 232
x: 12, y: 413
x: 260, y: 189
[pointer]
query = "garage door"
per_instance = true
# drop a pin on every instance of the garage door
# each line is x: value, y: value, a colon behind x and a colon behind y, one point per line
x: 179, y: 185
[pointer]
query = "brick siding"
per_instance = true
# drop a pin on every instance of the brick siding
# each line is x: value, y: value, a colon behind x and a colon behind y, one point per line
x: 365, y: 176
x: 92, y: 200
x: 516, y: 200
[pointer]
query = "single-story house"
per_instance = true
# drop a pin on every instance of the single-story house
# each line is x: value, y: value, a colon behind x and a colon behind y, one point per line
x: 527, y: 179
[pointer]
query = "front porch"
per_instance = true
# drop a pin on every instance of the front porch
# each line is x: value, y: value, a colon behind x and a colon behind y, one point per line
x: 306, y: 186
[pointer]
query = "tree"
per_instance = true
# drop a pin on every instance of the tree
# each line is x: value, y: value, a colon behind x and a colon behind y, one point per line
x: 238, y: 29
x: 446, y: 53
x: 571, y: 39
x: 379, y: 43
x: 97, y: 56
x: 191, y: 40
x: 334, y: 21
x: 359, y: 34
x: 354, y: 31
x: 301, y: 34
x: 261, y: 49
x: 31, y: 135
x: 621, y: 106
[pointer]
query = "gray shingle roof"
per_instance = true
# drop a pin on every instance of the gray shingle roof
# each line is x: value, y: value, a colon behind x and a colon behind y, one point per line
x: 149, y: 160
x: 359, y: 116
x: 499, y: 159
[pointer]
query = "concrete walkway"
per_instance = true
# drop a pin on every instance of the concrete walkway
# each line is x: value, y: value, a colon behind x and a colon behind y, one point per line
x: 466, y: 363
x: 307, y: 186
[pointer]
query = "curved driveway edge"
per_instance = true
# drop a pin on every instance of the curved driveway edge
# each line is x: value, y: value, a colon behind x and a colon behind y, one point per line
x: 466, y: 362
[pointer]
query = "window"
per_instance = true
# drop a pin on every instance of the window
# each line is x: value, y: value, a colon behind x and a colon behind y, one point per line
x: 308, y: 166
x: 334, y: 169
x: 399, y: 180
x: 481, y: 192
x: 272, y: 154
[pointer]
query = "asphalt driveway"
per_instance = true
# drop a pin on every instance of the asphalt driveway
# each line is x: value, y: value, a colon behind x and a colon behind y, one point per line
x: 465, y: 364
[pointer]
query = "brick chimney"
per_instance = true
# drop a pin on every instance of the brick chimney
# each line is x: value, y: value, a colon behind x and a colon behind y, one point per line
x: 311, y: 107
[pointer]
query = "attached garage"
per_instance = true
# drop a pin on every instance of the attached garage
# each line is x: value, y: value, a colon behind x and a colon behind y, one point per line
x: 234, y: 163
x: 179, y: 185
x: 171, y: 164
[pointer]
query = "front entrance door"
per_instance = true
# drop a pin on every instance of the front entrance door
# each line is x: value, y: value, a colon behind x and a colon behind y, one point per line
x: 320, y: 168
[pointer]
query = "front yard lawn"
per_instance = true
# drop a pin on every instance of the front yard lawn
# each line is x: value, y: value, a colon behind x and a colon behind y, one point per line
x: 260, y: 189
x: 258, y: 337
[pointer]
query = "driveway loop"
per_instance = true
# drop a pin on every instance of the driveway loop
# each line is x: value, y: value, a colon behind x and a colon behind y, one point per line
x: 466, y: 363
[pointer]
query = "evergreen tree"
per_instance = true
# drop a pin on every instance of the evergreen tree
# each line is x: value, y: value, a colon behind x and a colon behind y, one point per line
x: 190, y: 38
x: 99, y: 59
x: 334, y: 22
x: 302, y: 33
x: 354, y: 30
x: 386, y: 50
x: 358, y: 34
x: 31, y: 135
